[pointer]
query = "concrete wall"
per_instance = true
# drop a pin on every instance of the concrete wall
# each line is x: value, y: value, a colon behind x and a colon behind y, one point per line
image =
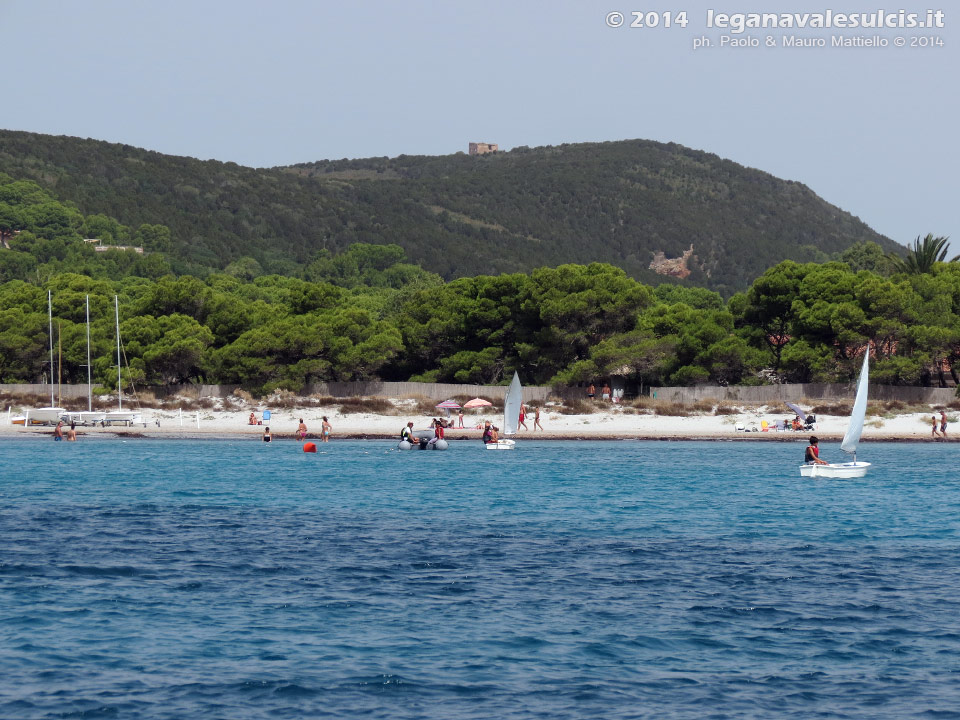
x: 43, y: 389
x: 766, y: 394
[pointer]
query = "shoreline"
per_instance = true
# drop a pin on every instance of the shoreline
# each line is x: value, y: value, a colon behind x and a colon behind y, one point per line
x: 96, y: 434
x: 610, y: 424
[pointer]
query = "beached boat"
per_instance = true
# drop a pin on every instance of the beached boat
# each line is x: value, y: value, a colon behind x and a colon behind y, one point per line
x: 852, y: 437
x: 44, y: 415
x: 121, y: 416
x: 511, y: 415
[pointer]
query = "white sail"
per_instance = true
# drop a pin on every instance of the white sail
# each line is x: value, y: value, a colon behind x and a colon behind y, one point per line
x: 511, y: 406
x: 855, y: 428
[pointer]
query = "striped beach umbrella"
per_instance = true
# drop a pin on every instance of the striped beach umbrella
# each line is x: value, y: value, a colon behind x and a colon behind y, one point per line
x: 448, y: 405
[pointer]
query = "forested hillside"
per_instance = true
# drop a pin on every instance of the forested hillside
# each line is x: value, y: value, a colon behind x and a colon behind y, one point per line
x: 457, y: 215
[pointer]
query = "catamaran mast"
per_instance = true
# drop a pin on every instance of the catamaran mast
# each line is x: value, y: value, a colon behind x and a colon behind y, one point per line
x: 116, y: 306
x: 89, y: 376
x: 50, y: 322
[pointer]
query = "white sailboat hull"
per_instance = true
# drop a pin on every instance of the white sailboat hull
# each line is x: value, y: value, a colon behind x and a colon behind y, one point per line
x: 501, y: 445
x: 86, y: 417
x: 44, y: 416
x: 124, y: 417
x: 836, y: 470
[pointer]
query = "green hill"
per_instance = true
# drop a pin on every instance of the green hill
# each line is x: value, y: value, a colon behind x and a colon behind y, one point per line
x: 457, y: 215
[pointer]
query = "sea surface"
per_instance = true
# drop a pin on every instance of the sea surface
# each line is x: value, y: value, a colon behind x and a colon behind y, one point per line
x: 233, y: 579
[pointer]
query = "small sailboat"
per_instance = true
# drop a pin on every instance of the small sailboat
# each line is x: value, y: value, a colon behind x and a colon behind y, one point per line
x: 44, y: 415
x: 511, y: 415
x: 88, y: 417
x: 852, y: 437
x: 127, y: 417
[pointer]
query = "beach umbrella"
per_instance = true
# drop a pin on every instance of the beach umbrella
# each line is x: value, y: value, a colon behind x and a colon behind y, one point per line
x: 448, y: 405
x: 477, y: 402
x: 798, y: 411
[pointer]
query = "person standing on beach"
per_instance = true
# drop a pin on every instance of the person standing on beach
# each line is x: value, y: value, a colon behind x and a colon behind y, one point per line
x: 325, y: 430
x: 934, y: 432
x: 302, y: 430
x: 943, y: 423
x: 460, y: 418
x: 605, y: 392
x: 523, y: 415
x: 591, y: 391
x: 536, y: 419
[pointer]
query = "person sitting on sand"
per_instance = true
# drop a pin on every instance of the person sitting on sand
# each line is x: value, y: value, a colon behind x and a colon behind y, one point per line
x: 267, y: 437
x: 72, y: 433
x: 252, y: 420
x: 812, y: 454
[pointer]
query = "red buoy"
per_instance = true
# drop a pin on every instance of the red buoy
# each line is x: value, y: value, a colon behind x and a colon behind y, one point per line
x: 309, y: 447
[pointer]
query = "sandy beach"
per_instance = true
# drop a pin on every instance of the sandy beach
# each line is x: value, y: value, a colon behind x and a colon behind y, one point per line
x: 617, y: 423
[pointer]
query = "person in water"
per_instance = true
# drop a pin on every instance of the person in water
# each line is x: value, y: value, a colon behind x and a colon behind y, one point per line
x: 72, y: 433
x: 302, y: 430
x: 812, y: 455
x: 487, y: 432
x: 267, y: 437
x: 407, y: 434
x: 325, y: 430
x: 58, y: 431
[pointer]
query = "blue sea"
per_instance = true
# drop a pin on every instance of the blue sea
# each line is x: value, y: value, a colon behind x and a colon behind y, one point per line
x: 232, y: 579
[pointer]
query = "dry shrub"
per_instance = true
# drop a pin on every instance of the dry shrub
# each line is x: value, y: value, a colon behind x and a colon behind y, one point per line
x: 243, y: 396
x: 725, y: 410
x: 954, y: 404
x: 703, y: 406
x: 577, y: 407
x: 672, y: 409
x: 375, y: 405
x: 285, y: 399
x: 839, y: 409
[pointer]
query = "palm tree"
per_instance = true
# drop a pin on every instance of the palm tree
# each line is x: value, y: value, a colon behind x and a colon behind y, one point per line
x: 922, y: 256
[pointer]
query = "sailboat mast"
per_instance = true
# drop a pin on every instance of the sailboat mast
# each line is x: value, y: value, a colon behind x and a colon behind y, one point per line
x: 89, y: 374
x: 50, y: 322
x: 116, y: 307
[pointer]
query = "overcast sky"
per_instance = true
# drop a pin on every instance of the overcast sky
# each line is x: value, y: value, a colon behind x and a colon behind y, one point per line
x: 872, y: 130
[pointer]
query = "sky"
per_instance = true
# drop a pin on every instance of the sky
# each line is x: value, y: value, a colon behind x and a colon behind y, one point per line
x: 869, y: 129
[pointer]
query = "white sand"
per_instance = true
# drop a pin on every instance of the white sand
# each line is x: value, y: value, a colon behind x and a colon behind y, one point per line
x: 615, y: 423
